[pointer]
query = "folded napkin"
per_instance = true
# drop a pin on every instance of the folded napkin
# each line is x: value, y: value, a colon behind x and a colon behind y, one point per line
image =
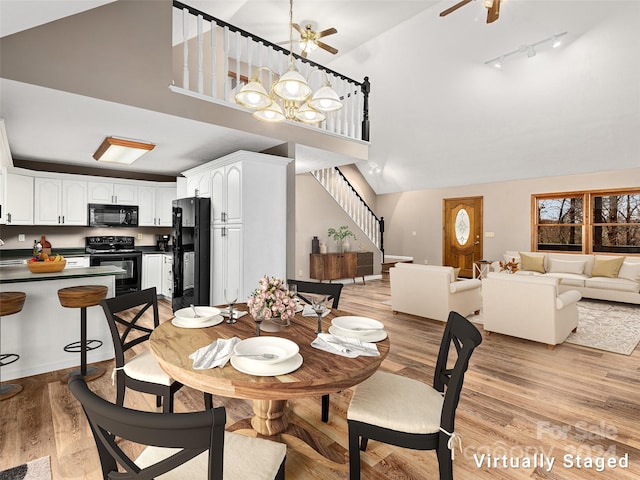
x: 216, y: 354
x: 346, y: 346
x: 236, y: 313
x: 309, y: 312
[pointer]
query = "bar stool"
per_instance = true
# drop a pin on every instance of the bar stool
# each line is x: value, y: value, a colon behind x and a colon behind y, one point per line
x: 10, y: 303
x: 81, y: 297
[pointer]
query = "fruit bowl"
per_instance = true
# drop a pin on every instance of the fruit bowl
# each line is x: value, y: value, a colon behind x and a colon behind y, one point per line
x: 46, y: 267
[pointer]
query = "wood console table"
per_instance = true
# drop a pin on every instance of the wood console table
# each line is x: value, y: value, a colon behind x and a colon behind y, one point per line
x: 333, y: 266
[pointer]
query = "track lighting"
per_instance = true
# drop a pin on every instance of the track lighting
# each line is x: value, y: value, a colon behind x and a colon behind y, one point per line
x: 530, y: 50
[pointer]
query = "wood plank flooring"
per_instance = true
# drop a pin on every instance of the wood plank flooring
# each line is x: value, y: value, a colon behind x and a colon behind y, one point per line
x: 519, y: 399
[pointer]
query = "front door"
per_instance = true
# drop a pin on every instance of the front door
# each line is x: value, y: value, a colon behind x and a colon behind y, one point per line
x: 462, y: 233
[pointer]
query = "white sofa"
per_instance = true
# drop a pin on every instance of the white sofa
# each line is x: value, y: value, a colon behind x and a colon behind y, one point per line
x: 529, y: 307
x: 574, y: 272
x: 432, y: 291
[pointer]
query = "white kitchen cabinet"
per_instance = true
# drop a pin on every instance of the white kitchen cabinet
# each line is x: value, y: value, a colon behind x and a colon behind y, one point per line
x: 199, y: 185
x: 152, y: 271
x: 3, y: 190
x: 155, y: 205
x: 19, y: 198
x: 113, y: 193
x: 60, y: 202
x: 249, y: 205
x: 167, y: 275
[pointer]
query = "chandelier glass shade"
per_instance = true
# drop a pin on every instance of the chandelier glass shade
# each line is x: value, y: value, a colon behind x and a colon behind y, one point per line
x: 292, y: 90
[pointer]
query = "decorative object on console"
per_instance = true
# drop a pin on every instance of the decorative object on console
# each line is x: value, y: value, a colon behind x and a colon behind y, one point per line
x: 510, y: 266
x: 272, y: 294
x: 340, y: 236
x: 315, y: 245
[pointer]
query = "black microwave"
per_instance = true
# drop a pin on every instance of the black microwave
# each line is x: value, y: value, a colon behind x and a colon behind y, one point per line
x: 112, y: 215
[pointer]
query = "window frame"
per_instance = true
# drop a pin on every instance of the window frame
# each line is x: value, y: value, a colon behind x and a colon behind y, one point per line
x: 588, y: 224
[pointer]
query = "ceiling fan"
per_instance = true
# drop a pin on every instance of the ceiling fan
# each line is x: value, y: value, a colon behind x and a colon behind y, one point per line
x: 309, y: 39
x: 493, y: 9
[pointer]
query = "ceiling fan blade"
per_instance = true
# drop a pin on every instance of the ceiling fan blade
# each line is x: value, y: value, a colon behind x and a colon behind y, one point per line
x: 298, y: 28
x: 449, y: 10
x: 327, y: 32
x: 494, y: 12
x: 328, y: 48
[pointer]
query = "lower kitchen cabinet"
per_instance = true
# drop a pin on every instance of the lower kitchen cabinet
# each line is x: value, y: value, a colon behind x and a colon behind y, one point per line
x: 167, y: 275
x: 152, y: 271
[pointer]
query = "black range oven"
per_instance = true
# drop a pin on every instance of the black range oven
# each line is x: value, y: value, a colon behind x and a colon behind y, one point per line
x: 119, y: 252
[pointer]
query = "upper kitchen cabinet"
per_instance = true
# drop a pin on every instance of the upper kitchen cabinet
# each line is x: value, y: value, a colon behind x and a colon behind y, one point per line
x: 199, y: 184
x: 155, y: 205
x: 226, y: 194
x: 60, y: 202
x: 19, y: 199
x: 113, y: 193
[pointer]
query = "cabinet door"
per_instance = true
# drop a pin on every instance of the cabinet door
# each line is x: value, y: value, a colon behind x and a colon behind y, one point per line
x: 226, y: 264
x: 218, y: 204
x: 19, y: 198
x: 167, y: 275
x: 47, y: 195
x: 152, y: 271
x: 199, y: 185
x: 100, y: 192
x: 234, y: 272
x: 233, y: 193
x: 147, y: 206
x: 218, y: 263
x: 349, y: 265
x: 74, y: 202
x: 125, y: 194
x: 164, y: 198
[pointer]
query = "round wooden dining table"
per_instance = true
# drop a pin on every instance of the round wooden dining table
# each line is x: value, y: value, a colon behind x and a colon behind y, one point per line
x: 320, y: 373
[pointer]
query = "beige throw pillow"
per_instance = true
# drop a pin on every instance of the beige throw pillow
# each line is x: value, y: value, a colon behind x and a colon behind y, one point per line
x: 456, y: 272
x: 607, y: 267
x: 532, y: 263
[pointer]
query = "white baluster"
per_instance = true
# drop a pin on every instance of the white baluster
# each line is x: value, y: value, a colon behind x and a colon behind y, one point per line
x: 238, y: 57
x: 249, y: 56
x: 185, y: 50
x: 214, y: 65
x: 225, y: 73
x: 200, y: 56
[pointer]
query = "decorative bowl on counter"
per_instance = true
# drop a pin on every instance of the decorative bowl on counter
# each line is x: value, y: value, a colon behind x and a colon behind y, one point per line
x: 46, y: 267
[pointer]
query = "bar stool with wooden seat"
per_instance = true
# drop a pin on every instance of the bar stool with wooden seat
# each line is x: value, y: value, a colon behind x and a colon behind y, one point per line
x: 81, y: 297
x: 10, y: 303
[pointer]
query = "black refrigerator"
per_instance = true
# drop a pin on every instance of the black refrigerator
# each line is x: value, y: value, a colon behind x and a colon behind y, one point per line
x: 191, y: 239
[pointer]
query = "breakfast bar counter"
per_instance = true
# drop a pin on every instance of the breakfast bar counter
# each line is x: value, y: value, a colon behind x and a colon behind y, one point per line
x: 41, y: 330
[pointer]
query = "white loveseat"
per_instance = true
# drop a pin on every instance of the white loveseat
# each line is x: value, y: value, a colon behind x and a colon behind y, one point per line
x: 529, y: 307
x: 432, y: 291
x: 575, y: 273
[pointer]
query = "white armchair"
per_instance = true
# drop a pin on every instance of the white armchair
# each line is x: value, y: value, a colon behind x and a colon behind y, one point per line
x: 529, y: 307
x: 432, y: 291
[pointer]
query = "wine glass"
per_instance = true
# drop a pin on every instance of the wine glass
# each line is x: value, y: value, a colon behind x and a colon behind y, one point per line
x: 258, y: 318
x: 319, y: 307
x: 231, y: 297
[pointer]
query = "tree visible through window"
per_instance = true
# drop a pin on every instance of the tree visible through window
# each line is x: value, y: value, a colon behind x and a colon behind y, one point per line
x: 616, y: 223
x: 559, y: 223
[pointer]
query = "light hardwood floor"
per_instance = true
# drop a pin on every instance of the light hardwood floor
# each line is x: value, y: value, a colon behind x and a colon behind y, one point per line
x: 519, y: 399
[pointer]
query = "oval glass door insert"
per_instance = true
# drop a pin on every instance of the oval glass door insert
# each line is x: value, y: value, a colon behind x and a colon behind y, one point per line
x: 462, y: 226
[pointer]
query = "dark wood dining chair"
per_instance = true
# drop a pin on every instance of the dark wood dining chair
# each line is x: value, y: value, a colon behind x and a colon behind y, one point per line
x: 332, y: 291
x: 141, y: 371
x: 178, y: 445
x: 408, y: 413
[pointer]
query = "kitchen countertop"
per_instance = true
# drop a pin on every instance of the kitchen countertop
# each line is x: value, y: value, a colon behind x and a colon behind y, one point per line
x: 20, y: 273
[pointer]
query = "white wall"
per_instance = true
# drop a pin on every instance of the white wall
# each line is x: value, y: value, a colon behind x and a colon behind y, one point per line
x: 507, y: 212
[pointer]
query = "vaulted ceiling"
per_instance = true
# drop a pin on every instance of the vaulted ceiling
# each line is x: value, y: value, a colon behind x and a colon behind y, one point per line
x: 440, y: 116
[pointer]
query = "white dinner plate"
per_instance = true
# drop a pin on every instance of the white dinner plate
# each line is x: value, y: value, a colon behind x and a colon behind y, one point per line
x: 182, y: 323
x: 375, y: 336
x: 186, y: 315
x: 259, y: 369
x: 282, y: 348
x: 358, y: 325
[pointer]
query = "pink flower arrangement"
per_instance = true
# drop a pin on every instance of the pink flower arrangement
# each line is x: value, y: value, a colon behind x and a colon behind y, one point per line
x: 273, y: 296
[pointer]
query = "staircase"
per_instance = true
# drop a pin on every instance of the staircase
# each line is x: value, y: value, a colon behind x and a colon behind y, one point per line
x: 334, y: 182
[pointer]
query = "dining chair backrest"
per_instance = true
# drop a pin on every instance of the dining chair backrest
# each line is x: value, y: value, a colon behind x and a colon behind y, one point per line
x: 331, y: 290
x: 464, y: 337
x: 124, y: 314
x: 191, y: 433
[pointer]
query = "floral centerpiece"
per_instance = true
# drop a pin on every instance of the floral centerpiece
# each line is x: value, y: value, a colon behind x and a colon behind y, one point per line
x: 273, y: 299
x: 510, y: 267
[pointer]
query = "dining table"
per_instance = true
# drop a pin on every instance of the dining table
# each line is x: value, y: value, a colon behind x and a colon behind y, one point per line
x: 320, y: 373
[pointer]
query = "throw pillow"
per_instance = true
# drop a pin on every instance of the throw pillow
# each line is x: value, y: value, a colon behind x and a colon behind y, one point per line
x: 532, y: 263
x: 607, y: 267
x: 456, y: 272
x: 630, y: 271
x: 566, y: 266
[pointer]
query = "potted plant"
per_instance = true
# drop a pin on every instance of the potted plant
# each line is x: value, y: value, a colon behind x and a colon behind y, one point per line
x: 340, y: 236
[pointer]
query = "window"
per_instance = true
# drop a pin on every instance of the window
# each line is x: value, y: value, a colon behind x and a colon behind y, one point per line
x: 587, y: 222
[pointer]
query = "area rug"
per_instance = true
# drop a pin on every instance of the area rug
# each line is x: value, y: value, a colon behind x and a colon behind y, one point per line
x: 614, y: 327
x: 34, y: 470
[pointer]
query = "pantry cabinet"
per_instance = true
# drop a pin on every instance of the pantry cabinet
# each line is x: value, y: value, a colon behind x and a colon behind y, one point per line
x: 59, y: 202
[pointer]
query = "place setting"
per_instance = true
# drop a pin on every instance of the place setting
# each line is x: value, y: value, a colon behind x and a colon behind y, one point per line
x: 197, y: 317
x: 351, y: 336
